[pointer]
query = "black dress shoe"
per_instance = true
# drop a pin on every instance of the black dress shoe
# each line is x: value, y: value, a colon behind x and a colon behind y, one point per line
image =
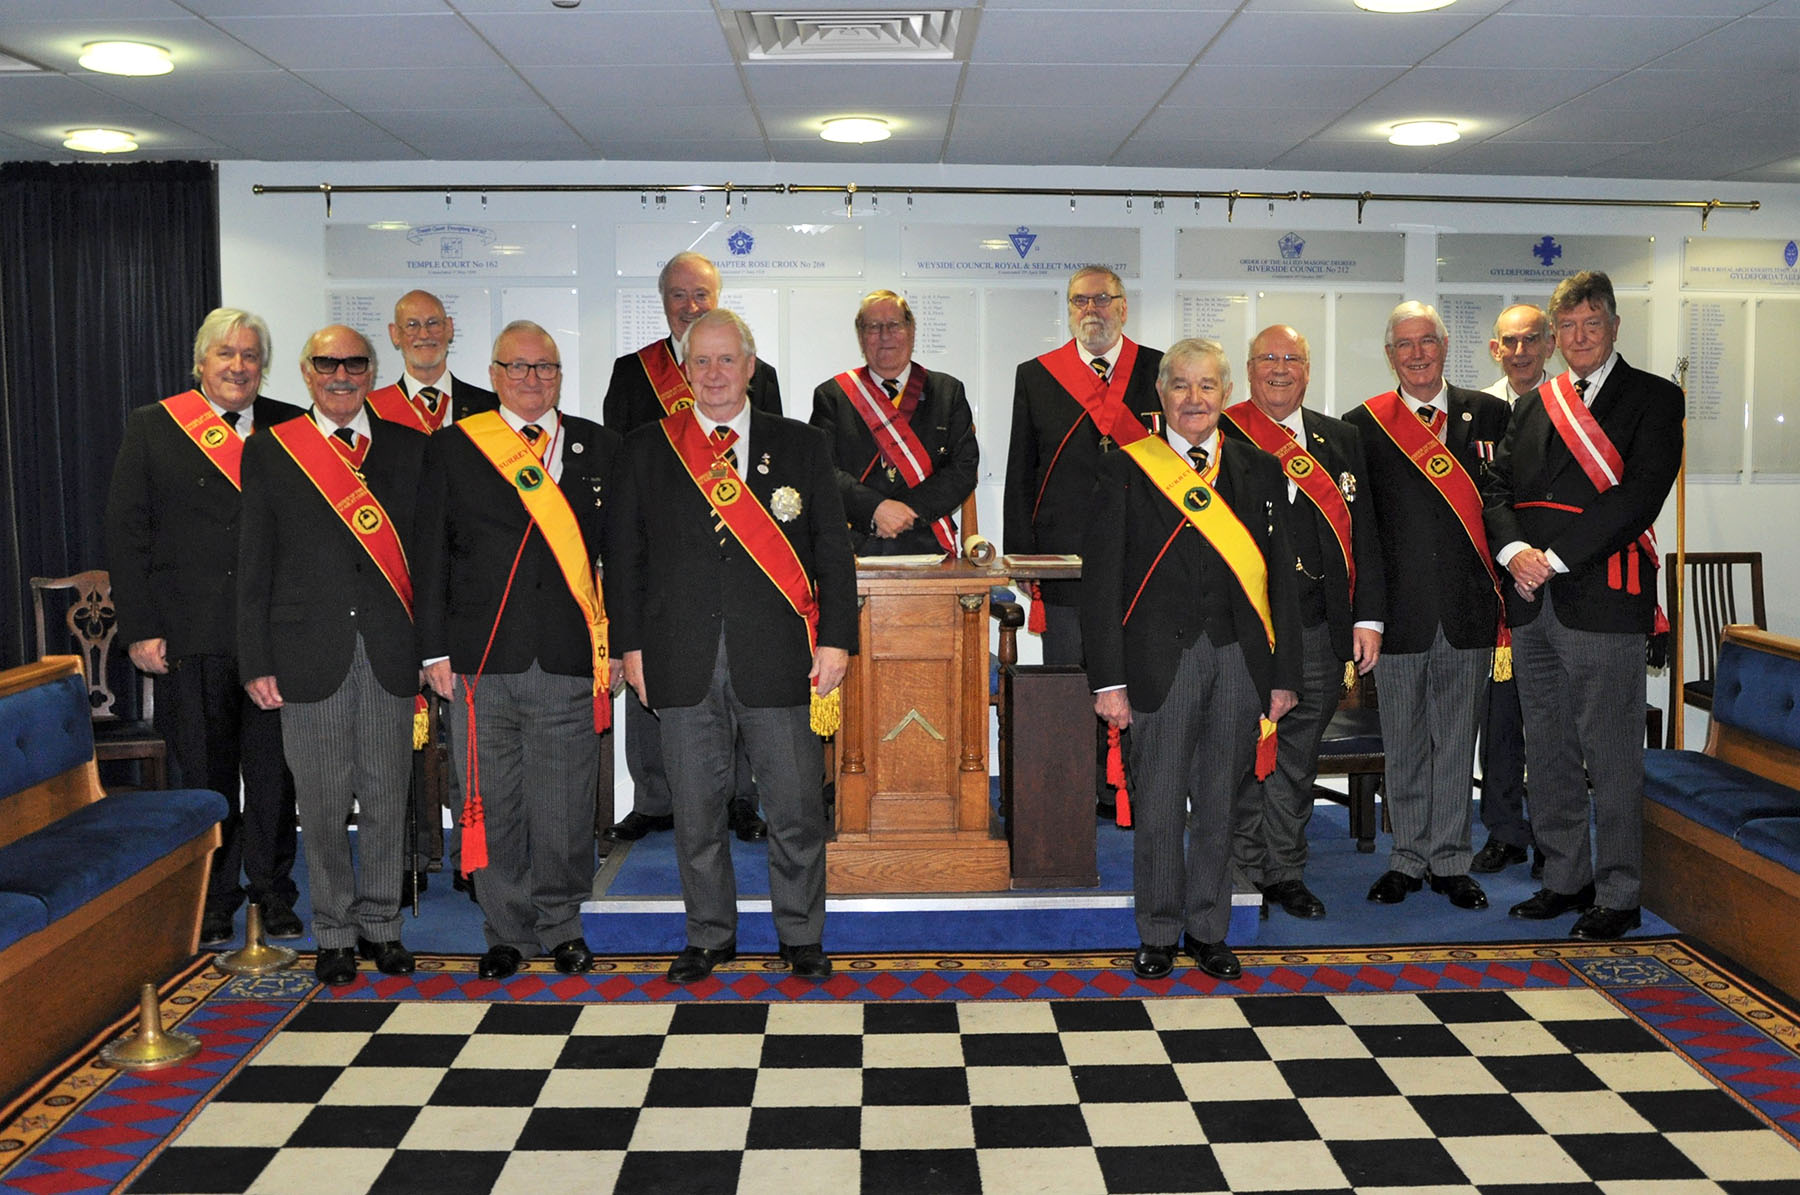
x: 807, y: 962
x: 1214, y: 958
x: 1601, y: 924
x: 390, y: 958
x: 1393, y: 886
x: 279, y: 921
x: 336, y: 965
x: 573, y: 957
x: 464, y: 883
x: 744, y: 822
x: 500, y: 962
x: 1496, y: 856
x: 1296, y: 898
x: 1547, y: 904
x: 216, y: 929
x: 1462, y: 890
x: 695, y: 963
x: 635, y: 825
x: 1153, y: 962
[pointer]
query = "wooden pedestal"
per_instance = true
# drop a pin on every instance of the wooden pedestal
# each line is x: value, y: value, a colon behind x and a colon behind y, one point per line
x: 1047, y: 765
x: 912, y: 770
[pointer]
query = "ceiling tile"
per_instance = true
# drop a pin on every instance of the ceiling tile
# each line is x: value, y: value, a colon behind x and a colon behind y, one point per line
x: 1755, y: 43
x: 1564, y: 39
x: 1049, y: 85
x: 667, y: 149
x: 304, y: 137
x: 631, y: 86
x: 396, y: 90
x: 1500, y: 156
x: 1290, y: 126
x: 184, y: 94
x: 452, y: 134
x: 720, y: 122
x: 1171, y: 153
x: 1287, y: 42
x: 1260, y: 87
x: 583, y: 38
x: 861, y: 85
x: 343, y: 42
x: 1125, y: 36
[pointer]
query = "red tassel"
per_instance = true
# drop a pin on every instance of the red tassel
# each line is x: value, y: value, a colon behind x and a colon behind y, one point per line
x: 1613, y: 578
x: 1632, y: 583
x: 1115, y: 758
x: 1265, y: 750
x: 1034, y: 621
x: 474, y: 817
x: 1122, y: 806
x: 1660, y: 624
x: 603, y: 710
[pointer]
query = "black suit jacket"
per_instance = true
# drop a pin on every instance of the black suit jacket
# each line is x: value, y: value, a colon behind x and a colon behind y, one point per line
x: 172, y: 535
x: 946, y: 430
x: 631, y: 401
x: 1641, y: 414
x: 466, y: 398
x: 1132, y: 523
x: 1042, y: 414
x: 676, y: 584
x: 1433, y: 574
x: 306, y: 586
x: 471, y: 524
x: 1338, y: 449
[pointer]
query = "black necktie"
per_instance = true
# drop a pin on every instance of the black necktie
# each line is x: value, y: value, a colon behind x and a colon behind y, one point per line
x: 722, y: 433
x: 1581, y: 388
x: 892, y: 386
x: 231, y: 418
x: 432, y: 397
x: 346, y: 434
x: 1427, y: 413
x: 1198, y: 456
x: 1100, y: 366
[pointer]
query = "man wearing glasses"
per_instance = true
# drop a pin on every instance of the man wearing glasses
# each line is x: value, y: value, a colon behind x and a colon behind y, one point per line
x: 172, y: 519
x: 1071, y: 406
x: 325, y: 636
x: 646, y: 386
x: 1521, y: 345
x: 512, y: 625
x: 1337, y: 571
x: 427, y: 395
x: 902, y: 437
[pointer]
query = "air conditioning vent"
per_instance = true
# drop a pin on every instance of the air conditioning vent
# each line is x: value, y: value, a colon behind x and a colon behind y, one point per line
x: 885, y: 35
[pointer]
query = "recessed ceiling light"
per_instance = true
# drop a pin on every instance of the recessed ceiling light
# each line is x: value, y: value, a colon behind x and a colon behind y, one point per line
x: 856, y: 130
x: 125, y: 58
x: 1403, y: 5
x: 99, y: 141
x: 1424, y: 132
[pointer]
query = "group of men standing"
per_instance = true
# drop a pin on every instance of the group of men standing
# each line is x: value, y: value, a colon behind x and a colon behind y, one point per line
x: 300, y: 593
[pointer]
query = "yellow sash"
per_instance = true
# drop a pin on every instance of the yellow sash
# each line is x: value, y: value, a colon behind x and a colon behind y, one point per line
x: 549, y: 509
x: 1206, y: 511
x: 210, y: 434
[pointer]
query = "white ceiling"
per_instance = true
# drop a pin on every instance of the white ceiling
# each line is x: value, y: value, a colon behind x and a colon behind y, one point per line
x: 1690, y: 89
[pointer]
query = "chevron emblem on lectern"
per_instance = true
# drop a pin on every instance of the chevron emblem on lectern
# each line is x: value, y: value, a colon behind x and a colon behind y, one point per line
x: 912, y: 716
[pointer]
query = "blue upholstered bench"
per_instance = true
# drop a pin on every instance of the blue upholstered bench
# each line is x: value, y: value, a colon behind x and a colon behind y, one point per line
x: 98, y: 894
x: 1722, y: 825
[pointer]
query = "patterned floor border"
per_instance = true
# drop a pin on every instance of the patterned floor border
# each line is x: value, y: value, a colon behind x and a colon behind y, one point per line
x: 103, y: 1124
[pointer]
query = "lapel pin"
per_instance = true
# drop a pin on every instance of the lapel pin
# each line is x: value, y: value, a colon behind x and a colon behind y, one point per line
x: 577, y: 448
x: 1467, y: 417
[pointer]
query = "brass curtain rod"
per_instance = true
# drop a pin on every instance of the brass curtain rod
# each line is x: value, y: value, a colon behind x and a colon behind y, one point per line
x: 1706, y: 207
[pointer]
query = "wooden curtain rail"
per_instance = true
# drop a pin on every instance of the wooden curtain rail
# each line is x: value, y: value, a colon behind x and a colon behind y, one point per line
x: 1157, y: 197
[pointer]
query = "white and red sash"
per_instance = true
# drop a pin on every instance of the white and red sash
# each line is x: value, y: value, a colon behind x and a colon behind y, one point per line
x: 1600, y: 460
x: 392, y: 404
x: 1103, y: 401
x: 210, y: 434
x: 895, y: 440
x: 1301, y: 468
x: 334, y: 475
x: 665, y: 376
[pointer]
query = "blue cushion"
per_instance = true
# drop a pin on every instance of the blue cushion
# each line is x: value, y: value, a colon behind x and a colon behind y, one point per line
x: 1759, y: 693
x: 1774, y: 838
x: 79, y: 856
x: 47, y: 731
x: 1717, y: 795
x: 1352, y: 732
x: 20, y: 916
x: 993, y: 675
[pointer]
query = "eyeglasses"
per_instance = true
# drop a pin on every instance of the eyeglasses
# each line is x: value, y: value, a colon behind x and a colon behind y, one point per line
x: 890, y: 328
x: 516, y: 370
x: 326, y: 366
x: 1097, y: 302
x: 434, y: 324
x: 1278, y: 359
x: 1515, y: 343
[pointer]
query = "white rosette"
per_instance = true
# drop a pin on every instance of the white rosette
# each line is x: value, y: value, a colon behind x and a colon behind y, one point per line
x: 785, y: 504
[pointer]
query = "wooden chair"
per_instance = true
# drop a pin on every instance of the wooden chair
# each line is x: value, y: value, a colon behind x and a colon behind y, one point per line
x: 1713, y: 601
x: 1352, y: 747
x: 92, y: 624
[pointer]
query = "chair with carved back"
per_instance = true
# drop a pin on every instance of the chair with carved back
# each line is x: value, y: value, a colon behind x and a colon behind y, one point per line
x: 92, y: 625
x: 1717, y: 586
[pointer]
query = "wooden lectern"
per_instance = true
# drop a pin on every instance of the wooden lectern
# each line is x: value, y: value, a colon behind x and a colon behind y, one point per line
x: 912, y: 760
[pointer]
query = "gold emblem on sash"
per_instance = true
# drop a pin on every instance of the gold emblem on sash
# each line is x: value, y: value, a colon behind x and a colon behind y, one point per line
x: 1299, y: 467
x: 726, y: 491
x: 682, y: 404
x: 1197, y: 499
x: 368, y: 519
x: 212, y: 437
x: 529, y: 478
x: 1439, y: 464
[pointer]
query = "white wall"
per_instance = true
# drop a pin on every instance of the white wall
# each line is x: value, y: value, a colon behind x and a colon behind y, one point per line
x: 273, y: 255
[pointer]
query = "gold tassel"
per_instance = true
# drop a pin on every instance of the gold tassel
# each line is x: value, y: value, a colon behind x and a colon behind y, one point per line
x: 1503, y: 664
x: 1349, y: 675
x: 827, y: 713
x: 421, y: 726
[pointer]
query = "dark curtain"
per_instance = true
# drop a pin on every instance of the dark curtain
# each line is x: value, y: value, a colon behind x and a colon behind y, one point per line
x: 105, y: 273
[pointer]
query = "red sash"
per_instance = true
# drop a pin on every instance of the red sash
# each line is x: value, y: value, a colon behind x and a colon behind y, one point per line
x: 344, y: 490
x: 666, y: 378
x: 1445, y: 474
x: 748, y: 519
x: 210, y: 434
x: 1595, y: 452
x: 1102, y: 401
x: 392, y: 404
x: 1303, y: 469
x: 895, y: 439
